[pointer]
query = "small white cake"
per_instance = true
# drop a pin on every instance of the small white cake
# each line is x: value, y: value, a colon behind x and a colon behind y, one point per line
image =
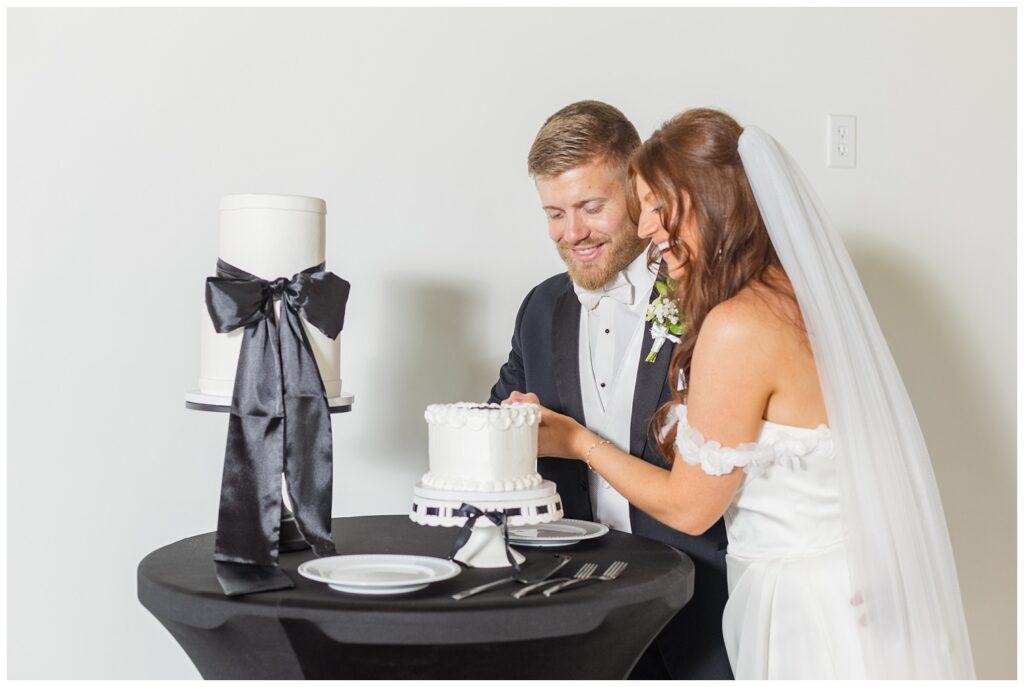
x: 269, y: 236
x: 482, y: 447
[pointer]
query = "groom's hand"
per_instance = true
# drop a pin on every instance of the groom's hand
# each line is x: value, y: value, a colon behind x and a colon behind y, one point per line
x: 558, y: 435
x: 517, y: 397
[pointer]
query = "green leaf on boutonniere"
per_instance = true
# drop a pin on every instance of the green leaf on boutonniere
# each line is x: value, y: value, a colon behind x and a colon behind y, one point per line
x: 664, y: 316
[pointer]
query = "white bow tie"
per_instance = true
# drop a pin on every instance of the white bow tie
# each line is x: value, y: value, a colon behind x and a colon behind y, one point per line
x: 620, y: 290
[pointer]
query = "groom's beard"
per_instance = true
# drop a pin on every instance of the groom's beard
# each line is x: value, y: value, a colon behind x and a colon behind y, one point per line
x: 619, y: 253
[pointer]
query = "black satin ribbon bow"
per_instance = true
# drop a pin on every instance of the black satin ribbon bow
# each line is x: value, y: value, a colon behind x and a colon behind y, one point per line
x: 472, y: 514
x: 280, y: 421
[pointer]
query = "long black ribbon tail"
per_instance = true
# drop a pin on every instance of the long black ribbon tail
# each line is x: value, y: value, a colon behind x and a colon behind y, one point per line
x: 279, y: 423
x: 320, y: 297
x: 308, y: 442
x: 472, y: 514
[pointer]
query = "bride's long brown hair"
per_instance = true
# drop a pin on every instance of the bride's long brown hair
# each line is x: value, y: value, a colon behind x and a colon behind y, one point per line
x: 696, y: 153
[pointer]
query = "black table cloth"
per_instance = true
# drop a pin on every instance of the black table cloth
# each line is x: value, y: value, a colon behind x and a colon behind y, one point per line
x: 597, y: 631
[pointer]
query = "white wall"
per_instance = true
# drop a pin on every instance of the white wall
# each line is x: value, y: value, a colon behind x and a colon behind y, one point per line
x: 126, y: 127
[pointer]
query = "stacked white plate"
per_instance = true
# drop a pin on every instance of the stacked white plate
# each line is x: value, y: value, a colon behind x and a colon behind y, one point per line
x: 379, y: 573
x: 561, y: 533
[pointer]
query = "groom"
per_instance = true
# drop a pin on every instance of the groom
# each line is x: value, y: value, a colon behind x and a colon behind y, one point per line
x: 579, y: 343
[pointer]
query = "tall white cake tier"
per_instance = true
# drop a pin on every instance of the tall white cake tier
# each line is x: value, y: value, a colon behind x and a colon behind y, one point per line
x: 484, y: 455
x: 269, y: 236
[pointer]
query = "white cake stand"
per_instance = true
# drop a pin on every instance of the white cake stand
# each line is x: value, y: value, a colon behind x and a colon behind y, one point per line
x: 197, y: 400
x: 486, y: 545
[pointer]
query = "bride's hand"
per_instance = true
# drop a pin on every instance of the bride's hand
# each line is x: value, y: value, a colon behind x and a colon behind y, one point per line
x: 559, y: 435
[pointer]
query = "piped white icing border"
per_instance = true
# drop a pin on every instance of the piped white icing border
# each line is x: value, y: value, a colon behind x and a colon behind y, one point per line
x: 478, y: 416
x: 459, y: 484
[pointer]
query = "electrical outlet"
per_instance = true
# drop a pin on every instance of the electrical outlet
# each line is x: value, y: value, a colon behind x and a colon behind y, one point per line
x: 842, y: 141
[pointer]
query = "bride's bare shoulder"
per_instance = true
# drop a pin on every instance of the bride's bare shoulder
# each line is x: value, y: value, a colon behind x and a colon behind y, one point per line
x: 758, y: 319
x: 736, y: 354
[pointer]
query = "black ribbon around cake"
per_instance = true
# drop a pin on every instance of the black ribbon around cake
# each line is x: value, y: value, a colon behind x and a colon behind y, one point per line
x: 280, y: 421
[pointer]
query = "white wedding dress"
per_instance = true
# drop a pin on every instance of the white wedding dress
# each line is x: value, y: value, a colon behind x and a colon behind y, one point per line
x: 789, y: 613
x: 839, y: 561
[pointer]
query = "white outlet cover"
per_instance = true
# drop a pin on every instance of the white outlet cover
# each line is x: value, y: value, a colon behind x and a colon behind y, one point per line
x: 841, y: 141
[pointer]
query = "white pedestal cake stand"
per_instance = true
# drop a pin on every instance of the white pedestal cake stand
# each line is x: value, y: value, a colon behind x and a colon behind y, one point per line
x: 486, y: 545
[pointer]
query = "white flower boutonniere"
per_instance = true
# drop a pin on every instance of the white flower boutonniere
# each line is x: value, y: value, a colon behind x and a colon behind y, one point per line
x: 663, y: 314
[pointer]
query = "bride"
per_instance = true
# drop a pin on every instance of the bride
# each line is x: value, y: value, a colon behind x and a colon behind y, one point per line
x: 790, y: 419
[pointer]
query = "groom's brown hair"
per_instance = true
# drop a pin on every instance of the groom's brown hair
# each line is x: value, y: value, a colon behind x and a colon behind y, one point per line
x: 581, y: 133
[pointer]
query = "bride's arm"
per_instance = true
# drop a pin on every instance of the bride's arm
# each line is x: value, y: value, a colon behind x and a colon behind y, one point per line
x: 730, y: 382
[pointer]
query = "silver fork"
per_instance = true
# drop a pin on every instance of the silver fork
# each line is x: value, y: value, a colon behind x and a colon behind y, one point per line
x: 563, y: 559
x: 611, y: 573
x: 586, y: 570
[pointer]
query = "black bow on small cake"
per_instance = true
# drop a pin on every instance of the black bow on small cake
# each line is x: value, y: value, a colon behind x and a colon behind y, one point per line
x: 472, y: 514
x: 280, y: 421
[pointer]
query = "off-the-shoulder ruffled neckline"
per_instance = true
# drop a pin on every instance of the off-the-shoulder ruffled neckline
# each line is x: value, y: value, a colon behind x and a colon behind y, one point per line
x: 786, y: 445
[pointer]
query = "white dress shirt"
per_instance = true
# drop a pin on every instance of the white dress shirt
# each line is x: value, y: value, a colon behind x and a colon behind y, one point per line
x: 611, y: 337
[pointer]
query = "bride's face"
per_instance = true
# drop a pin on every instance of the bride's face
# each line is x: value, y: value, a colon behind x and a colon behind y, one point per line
x: 651, y: 227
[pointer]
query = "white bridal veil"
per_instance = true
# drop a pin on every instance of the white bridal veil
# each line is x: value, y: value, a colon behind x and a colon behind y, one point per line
x: 900, y: 558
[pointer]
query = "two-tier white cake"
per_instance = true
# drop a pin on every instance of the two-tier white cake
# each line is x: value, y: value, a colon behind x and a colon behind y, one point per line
x: 482, y: 447
x: 269, y: 236
x: 484, y: 456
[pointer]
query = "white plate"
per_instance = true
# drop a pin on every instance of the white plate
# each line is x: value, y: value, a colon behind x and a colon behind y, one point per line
x: 378, y: 573
x: 561, y: 533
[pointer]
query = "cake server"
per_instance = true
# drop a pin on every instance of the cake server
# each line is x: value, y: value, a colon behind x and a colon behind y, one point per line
x: 563, y: 559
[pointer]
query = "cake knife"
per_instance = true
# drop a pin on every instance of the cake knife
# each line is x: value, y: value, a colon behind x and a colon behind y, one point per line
x: 564, y: 560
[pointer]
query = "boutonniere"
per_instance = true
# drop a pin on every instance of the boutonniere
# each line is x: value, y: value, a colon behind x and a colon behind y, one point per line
x: 663, y: 314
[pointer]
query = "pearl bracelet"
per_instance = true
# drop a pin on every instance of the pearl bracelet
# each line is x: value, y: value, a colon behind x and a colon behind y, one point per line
x: 586, y: 456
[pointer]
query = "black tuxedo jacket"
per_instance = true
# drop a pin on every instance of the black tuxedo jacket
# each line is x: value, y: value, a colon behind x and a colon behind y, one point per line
x: 545, y: 360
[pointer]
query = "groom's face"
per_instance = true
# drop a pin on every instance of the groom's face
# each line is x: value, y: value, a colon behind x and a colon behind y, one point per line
x: 589, y: 222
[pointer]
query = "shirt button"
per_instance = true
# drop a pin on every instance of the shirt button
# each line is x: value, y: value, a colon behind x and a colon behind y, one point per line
x: 607, y: 331
x: 602, y: 385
